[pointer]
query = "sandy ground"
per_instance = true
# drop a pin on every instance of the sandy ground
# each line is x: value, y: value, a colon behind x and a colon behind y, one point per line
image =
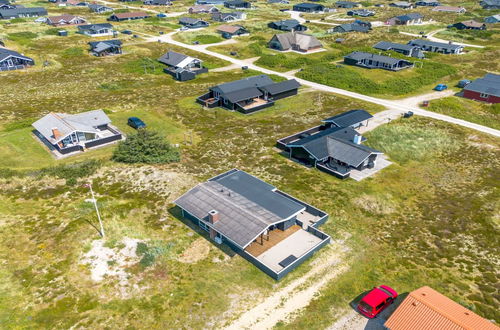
x: 105, y: 262
x: 285, y: 303
x: 161, y: 181
x: 352, y: 320
x: 198, y: 250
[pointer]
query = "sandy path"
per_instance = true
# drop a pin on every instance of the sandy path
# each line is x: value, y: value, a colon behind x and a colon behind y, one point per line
x: 281, y: 305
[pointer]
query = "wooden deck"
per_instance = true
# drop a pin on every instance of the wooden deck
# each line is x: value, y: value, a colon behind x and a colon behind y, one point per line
x: 275, y: 236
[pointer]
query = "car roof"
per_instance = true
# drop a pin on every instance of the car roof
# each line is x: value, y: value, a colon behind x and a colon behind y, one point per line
x: 375, y: 297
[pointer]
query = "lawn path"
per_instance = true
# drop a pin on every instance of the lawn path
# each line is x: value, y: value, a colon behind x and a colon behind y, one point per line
x: 284, y: 304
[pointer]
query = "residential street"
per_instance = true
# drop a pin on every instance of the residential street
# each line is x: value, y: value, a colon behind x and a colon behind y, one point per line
x: 395, y: 105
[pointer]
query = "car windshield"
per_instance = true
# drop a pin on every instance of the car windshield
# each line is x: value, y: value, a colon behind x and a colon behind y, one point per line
x: 364, y: 306
x: 386, y: 291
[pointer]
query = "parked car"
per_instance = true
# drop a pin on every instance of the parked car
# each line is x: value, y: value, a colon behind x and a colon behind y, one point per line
x: 440, y: 87
x: 161, y: 15
x: 376, y: 301
x: 184, y: 28
x: 136, y: 123
x: 463, y: 83
x: 244, y: 67
x: 408, y: 114
x: 127, y: 32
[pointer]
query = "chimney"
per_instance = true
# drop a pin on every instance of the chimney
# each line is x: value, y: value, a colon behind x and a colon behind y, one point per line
x: 357, y: 139
x: 56, y: 133
x: 213, y: 216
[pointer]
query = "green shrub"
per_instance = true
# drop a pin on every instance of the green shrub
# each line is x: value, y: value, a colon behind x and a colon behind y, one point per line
x: 150, y: 253
x: 52, y: 32
x: 146, y: 146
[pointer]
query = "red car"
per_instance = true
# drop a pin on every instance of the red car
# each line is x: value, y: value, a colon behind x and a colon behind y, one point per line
x: 376, y: 301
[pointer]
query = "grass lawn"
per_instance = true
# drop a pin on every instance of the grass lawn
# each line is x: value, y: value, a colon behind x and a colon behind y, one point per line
x: 431, y: 218
x: 473, y: 111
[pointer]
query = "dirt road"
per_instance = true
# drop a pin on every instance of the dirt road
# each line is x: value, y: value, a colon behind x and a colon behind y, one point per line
x: 283, y: 304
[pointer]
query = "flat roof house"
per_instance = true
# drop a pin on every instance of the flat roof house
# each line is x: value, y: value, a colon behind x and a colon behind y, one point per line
x: 99, y: 8
x: 469, y: 25
x: 105, y: 47
x: 228, y: 17
x: 437, y: 47
x: 287, y: 25
x: 249, y: 94
x: 309, y: 7
x: 233, y: 4
x: 486, y: 89
x: 20, y: 12
x: 65, y: 20
x: 270, y: 229
x: 229, y: 31
x: 374, y: 61
x: 67, y: 133
x: 96, y: 30
x: 347, y: 4
x: 193, y: 23
x: 12, y: 60
x: 119, y: 17
x: 295, y: 41
x: 335, y: 147
x: 408, y: 50
x: 182, y: 67
x: 408, y: 19
x: 449, y: 9
x: 426, y: 308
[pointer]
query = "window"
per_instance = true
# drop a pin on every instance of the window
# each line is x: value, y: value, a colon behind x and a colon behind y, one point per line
x: 483, y: 95
x: 379, y: 306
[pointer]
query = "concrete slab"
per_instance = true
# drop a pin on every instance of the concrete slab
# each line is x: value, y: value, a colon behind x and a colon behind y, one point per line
x: 296, y: 244
x: 381, y: 163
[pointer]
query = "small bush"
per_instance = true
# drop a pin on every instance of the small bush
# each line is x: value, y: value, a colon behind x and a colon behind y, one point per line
x: 147, y: 147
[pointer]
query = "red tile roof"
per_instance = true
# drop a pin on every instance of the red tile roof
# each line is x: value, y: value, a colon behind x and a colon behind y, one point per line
x: 426, y: 308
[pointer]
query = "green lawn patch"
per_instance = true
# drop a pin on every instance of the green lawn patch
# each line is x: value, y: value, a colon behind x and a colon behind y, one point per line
x: 469, y: 110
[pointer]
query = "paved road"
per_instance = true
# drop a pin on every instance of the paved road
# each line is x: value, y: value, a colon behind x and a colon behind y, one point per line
x: 394, y: 105
x: 430, y: 36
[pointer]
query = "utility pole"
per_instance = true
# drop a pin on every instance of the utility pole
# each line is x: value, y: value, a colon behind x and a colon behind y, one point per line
x: 89, y: 185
